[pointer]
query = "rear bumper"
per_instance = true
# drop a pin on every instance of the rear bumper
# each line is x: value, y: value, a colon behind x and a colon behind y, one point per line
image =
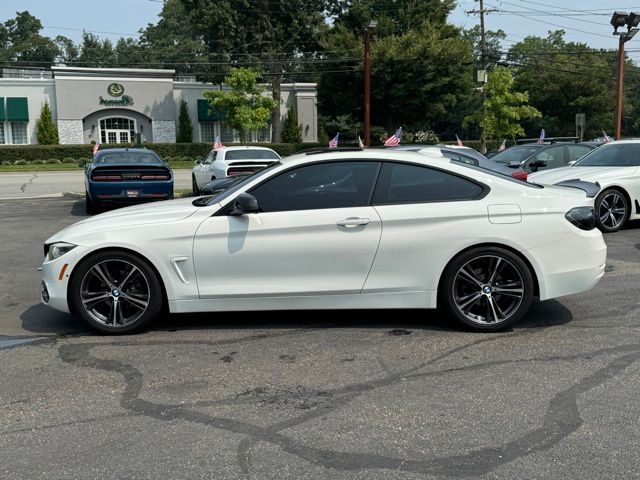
x: 119, y: 193
x: 573, y: 265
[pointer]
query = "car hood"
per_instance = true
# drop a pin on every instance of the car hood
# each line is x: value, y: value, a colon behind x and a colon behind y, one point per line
x: 586, y: 174
x: 158, y: 212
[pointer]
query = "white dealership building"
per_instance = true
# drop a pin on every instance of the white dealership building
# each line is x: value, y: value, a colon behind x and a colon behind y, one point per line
x: 114, y: 105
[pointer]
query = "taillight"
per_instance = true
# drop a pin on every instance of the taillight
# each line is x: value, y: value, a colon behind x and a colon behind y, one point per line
x: 582, y: 217
x: 155, y: 177
x: 520, y: 175
x: 107, y: 178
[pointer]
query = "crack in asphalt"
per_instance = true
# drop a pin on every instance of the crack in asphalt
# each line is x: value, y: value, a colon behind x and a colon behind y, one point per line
x: 24, y: 186
x: 560, y: 420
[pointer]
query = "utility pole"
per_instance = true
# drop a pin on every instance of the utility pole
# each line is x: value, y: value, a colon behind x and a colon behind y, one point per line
x: 367, y: 82
x: 483, y: 59
x: 631, y: 21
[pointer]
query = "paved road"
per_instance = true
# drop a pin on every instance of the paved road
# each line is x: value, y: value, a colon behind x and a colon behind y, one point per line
x: 35, y: 184
x: 345, y: 395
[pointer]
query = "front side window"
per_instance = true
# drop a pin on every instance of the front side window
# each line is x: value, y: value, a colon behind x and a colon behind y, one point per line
x: 515, y: 154
x: 577, y: 151
x: 319, y: 186
x: 401, y: 183
x: 18, y: 133
x: 210, y: 158
x: 553, y: 157
x: 612, y: 155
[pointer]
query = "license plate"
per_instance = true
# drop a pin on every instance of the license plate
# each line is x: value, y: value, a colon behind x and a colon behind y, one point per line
x: 133, y: 193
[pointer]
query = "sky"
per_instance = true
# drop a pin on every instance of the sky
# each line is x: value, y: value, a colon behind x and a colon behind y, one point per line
x: 584, y: 20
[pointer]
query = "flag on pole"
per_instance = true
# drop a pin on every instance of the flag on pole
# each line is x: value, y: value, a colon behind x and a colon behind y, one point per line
x: 217, y: 145
x: 394, y: 139
x: 95, y: 148
x: 606, y: 137
x: 541, y: 139
x: 360, y: 144
x: 333, y: 143
x: 503, y: 145
x: 460, y: 144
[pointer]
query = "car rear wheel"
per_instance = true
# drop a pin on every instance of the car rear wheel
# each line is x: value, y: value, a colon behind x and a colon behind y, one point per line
x: 612, y: 210
x: 194, y: 186
x: 90, y: 207
x: 487, y: 289
x: 116, y: 292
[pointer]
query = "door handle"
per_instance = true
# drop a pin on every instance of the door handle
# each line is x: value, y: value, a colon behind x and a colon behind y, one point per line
x: 353, y: 221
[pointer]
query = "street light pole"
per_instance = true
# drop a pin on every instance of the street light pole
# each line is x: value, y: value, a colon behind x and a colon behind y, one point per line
x: 631, y: 20
x: 620, y: 87
x: 367, y: 82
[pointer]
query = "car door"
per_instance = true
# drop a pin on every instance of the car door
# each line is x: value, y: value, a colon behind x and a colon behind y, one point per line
x: 551, y: 157
x: 427, y: 214
x: 316, y: 234
x: 203, y: 171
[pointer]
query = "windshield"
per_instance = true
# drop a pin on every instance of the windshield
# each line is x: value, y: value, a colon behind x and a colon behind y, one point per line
x: 612, y: 155
x: 515, y: 154
x: 127, y: 157
x: 211, y: 199
x: 251, y: 155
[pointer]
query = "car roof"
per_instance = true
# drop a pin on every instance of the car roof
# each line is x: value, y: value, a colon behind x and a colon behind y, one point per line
x: 246, y: 147
x: 129, y: 150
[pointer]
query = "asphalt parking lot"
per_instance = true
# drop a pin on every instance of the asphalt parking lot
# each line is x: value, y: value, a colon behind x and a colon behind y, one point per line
x: 340, y: 395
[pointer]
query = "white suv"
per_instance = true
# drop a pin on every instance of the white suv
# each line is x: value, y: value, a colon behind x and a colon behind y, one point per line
x: 229, y: 162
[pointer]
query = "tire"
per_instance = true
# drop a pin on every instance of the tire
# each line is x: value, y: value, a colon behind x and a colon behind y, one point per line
x: 90, y: 207
x: 612, y: 210
x: 194, y: 186
x: 470, y: 283
x: 118, y: 279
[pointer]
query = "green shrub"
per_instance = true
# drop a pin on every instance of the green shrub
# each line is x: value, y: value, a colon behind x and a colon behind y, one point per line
x: 53, y: 161
x: 69, y: 160
x: 21, y: 161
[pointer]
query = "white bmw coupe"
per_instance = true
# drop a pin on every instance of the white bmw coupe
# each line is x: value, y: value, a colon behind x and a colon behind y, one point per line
x: 616, y: 168
x: 339, y: 229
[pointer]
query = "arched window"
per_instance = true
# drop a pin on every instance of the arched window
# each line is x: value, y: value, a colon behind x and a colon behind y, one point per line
x: 117, y: 130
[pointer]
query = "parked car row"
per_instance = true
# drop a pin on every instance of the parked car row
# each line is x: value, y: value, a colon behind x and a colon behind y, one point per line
x: 335, y: 229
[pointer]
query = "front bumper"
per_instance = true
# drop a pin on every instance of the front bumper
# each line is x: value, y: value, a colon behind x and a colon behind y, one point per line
x: 573, y: 265
x: 55, y: 279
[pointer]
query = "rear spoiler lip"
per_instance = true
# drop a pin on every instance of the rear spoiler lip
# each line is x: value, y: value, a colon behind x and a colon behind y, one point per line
x: 590, y: 188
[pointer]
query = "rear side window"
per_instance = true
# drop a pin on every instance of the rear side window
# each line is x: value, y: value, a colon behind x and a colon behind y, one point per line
x: 401, y: 183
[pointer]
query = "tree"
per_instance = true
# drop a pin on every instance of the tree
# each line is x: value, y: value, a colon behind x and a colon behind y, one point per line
x: 21, y: 42
x: 95, y: 52
x: 185, y: 128
x: 503, y: 108
x: 565, y: 78
x: 291, y: 130
x: 46, y: 130
x: 242, y: 103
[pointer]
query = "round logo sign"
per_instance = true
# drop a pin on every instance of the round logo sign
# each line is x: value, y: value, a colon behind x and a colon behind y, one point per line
x: 115, y: 89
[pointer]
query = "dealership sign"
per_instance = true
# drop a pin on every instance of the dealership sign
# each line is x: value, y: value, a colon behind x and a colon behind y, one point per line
x: 116, y: 90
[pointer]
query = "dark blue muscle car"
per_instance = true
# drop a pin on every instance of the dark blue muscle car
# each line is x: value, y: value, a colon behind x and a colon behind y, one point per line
x: 125, y: 176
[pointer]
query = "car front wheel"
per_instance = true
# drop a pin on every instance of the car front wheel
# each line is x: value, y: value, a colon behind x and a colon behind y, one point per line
x: 487, y: 289
x: 116, y: 292
x: 612, y: 210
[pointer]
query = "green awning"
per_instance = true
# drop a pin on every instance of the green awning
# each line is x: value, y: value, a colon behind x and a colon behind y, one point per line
x: 2, y: 116
x: 205, y: 114
x: 17, y: 109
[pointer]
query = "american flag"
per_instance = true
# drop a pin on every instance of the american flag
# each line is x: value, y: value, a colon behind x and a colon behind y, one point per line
x: 503, y: 145
x: 394, y: 139
x: 95, y: 148
x: 333, y: 143
x: 541, y: 139
x: 606, y: 137
x: 460, y: 144
x: 217, y: 145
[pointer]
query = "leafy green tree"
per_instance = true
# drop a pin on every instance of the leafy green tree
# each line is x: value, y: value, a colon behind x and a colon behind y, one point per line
x: 242, y: 103
x: 291, y: 130
x: 46, y: 130
x: 565, y: 78
x: 185, y: 128
x: 21, y: 42
x: 95, y: 52
x: 504, y: 108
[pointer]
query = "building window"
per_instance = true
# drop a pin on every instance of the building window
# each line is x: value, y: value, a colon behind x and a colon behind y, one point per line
x: 228, y: 134
x: 207, y: 132
x: 2, y: 140
x: 263, y: 135
x: 18, y: 133
x: 117, y: 130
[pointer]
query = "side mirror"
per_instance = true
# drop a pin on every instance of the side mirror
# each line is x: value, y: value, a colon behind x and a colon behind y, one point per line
x: 539, y: 163
x: 572, y: 162
x: 198, y: 162
x: 245, y: 203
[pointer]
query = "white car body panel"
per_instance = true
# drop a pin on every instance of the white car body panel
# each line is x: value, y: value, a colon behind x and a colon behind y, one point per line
x: 216, y: 164
x: 304, y: 260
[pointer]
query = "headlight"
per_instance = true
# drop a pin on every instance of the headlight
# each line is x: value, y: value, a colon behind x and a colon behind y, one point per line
x: 56, y: 250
